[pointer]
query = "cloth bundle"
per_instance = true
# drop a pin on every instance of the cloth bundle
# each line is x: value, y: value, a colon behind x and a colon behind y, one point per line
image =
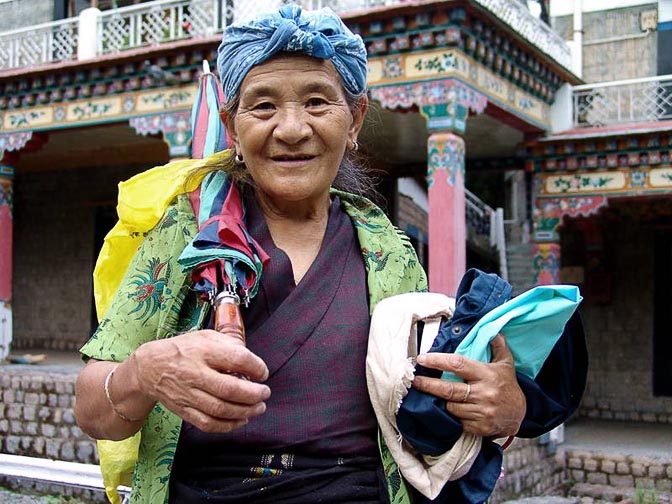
x: 416, y: 426
x: 389, y: 373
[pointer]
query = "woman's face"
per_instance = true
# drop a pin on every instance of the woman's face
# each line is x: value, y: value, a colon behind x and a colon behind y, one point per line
x: 292, y: 128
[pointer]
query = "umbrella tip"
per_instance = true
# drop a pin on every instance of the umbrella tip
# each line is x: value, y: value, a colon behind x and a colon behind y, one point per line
x: 206, y: 67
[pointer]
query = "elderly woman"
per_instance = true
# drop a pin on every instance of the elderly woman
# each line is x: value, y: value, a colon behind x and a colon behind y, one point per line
x: 286, y: 418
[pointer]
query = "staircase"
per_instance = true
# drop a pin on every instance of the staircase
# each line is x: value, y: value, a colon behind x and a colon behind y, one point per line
x: 520, y: 259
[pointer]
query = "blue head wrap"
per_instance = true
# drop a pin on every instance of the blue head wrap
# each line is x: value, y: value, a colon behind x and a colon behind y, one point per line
x: 320, y: 34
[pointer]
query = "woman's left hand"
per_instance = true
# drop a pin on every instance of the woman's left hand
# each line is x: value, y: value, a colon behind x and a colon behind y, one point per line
x: 490, y: 403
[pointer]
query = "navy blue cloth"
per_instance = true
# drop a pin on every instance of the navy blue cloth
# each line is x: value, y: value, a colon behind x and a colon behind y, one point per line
x: 552, y: 397
x: 422, y: 419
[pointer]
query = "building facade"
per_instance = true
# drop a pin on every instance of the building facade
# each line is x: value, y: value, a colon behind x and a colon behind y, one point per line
x: 601, y: 198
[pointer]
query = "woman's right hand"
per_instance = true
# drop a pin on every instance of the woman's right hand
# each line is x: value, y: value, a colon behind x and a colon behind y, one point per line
x: 197, y: 376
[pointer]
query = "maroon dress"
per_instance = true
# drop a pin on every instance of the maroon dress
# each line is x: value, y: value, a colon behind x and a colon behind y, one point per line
x: 317, y: 441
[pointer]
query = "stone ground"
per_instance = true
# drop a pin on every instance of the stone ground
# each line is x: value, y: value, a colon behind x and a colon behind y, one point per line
x: 584, y: 493
x: 12, y: 497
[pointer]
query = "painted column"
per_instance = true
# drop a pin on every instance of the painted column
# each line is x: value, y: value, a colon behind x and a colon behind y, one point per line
x: 546, y: 263
x: 6, y: 232
x: 547, y: 218
x: 10, y: 145
x: 445, y: 104
x: 446, y: 122
x: 447, y: 215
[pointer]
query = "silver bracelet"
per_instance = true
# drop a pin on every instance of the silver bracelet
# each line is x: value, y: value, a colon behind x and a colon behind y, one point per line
x: 108, y: 379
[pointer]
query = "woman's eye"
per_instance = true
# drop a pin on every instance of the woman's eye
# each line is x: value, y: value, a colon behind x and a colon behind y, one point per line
x: 316, y: 102
x: 264, y: 106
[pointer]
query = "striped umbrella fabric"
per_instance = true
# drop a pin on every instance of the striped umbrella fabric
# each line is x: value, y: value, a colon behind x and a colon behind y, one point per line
x: 208, y: 134
x: 223, y: 257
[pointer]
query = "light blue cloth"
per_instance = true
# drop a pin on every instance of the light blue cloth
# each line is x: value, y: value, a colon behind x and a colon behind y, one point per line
x: 531, y: 322
x: 320, y: 34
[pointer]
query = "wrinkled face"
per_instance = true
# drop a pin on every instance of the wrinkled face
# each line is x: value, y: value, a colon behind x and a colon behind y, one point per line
x: 293, y: 126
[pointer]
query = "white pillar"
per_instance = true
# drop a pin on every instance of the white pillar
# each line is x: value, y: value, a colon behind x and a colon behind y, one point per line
x: 562, y: 110
x: 577, y: 44
x: 87, y: 44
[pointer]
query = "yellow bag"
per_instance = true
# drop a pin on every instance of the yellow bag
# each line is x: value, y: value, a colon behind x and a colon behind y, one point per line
x: 143, y: 199
x: 119, y: 461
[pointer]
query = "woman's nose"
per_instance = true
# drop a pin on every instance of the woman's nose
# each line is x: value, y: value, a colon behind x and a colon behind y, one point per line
x: 292, y: 126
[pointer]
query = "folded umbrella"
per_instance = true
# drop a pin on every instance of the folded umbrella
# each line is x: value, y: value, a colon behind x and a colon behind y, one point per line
x: 224, y: 260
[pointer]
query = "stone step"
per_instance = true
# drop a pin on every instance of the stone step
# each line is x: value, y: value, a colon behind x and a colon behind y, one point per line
x: 587, y: 493
x: 545, y: 499
x: 622, y: 495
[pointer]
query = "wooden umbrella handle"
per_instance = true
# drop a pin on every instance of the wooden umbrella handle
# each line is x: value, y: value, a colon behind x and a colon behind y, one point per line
x: 228, y: 318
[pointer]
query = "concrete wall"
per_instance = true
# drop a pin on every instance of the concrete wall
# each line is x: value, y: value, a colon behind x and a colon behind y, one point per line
x: 620, y: 333
x: 21, y: 13
x: 634, y: 56
x: 54, y: 253
x: 530, y: 469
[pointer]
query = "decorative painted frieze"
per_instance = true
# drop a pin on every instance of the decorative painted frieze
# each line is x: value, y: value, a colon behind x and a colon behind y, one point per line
x: 650, y: 150
x: 408, y: 70
x: 445, y: 103
x: 449, y: 26
x: 549, y: 212
x: 519, y: 18
x: 14, y: 141
x: 431, y: 92
x: 31, y: 90
x: 622, y: 182
x: 95, y: 110
x: 175, y: 127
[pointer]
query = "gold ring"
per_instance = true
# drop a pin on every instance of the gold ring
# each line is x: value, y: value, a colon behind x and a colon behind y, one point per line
x: 467, y: 393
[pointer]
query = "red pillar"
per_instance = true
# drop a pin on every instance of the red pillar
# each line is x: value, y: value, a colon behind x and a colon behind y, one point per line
x: 447, y: 218
x: 6, y: 197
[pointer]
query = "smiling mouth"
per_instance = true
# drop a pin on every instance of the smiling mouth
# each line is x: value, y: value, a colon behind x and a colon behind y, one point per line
x: 292, y: 158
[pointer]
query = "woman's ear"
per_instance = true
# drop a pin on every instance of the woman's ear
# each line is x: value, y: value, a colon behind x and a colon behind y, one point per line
x: 358, y: 114
x: 230, y: 128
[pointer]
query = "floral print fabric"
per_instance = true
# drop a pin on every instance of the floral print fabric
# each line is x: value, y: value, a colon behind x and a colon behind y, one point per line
x: 155, y: 301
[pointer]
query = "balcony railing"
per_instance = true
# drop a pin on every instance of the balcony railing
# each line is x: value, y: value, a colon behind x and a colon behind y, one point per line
x: 39, y: 44
x: 161, y: 21
x: 155, y: 23
x: 623, y: 102
x: 485, y: 228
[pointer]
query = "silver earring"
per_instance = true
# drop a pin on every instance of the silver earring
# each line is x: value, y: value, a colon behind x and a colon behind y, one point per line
x: 355, y: 146
x: 238, y: 159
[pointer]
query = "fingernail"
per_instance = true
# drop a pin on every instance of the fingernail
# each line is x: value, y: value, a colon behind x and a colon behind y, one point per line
x: 421, y: 359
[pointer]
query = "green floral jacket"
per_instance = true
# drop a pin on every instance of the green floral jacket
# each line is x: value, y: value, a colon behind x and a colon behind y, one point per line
x: 155, y: 301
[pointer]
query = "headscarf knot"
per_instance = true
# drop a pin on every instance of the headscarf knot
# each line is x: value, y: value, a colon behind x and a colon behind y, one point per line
x: 320, y: 34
